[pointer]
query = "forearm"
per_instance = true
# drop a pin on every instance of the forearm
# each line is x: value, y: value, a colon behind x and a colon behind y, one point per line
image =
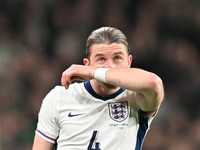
x: 133, y: 79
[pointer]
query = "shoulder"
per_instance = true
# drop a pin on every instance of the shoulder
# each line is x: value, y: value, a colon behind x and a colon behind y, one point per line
x: 55, y: 92
x: 58, y: 89
x: 60, y: 92
x: 60, y: 96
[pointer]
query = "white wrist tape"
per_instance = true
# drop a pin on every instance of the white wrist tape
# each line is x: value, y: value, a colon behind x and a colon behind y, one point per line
x: 100, y: 74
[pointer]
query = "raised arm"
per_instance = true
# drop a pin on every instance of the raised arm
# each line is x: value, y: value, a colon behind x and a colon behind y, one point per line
x: 147, y: 85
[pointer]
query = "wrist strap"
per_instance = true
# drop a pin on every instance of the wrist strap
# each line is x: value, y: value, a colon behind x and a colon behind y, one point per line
x: 100, y: 74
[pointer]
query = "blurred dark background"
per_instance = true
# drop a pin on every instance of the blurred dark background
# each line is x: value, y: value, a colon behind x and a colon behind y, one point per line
x: 39, y: 39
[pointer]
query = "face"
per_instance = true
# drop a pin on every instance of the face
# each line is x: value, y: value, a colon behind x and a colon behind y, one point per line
x: 109, y: 56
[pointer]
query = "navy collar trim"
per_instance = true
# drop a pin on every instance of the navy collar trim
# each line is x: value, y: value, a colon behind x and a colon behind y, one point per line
x: 93, y: 93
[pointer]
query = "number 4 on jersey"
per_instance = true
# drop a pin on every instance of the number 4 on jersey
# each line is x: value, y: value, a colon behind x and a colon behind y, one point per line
x: 93, y: 142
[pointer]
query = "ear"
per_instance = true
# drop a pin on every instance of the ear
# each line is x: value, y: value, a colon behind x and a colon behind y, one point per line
x: 130, y: 58
x: 86, y: 62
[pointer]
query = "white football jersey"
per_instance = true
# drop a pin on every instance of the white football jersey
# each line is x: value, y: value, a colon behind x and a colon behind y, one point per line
x: 80, y: 119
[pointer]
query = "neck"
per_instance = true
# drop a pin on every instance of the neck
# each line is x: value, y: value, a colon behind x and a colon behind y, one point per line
x: 103, y: 89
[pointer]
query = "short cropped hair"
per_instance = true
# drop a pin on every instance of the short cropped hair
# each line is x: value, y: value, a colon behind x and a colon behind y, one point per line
x: 106, y: 35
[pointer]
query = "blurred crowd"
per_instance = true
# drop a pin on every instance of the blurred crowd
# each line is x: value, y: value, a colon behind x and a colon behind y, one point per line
x: 39, y: 39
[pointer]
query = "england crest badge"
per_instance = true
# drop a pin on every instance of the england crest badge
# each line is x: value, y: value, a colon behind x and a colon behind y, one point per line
x: 118, y: 111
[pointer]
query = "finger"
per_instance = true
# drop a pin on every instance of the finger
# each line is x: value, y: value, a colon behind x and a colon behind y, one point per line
x: 65, y: 81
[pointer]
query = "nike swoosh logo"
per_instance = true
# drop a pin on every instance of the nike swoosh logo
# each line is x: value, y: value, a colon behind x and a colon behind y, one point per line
x: 73, y: 115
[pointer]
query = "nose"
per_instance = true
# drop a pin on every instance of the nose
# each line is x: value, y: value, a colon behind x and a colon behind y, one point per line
x: 109, y: 64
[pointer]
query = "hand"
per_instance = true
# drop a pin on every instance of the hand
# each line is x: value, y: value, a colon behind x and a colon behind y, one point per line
x: 77, y: 72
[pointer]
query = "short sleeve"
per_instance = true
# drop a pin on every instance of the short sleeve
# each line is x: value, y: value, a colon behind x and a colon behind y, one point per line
x: 47, y: 126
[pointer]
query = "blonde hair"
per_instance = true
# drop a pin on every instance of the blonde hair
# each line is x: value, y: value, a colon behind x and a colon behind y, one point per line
x: 106, y: 35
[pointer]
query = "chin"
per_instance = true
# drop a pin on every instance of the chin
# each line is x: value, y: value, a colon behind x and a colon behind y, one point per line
x: 109, y: 86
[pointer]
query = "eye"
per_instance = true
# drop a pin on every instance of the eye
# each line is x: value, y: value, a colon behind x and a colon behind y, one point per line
x: 117, y: 58
x: 101, y: 59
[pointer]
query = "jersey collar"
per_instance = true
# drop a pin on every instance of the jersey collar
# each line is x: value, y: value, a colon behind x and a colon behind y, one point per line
x: 89, y: 88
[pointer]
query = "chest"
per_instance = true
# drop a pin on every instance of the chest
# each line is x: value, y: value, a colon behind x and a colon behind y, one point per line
x: 85, y: 119
x: 93, y: 113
